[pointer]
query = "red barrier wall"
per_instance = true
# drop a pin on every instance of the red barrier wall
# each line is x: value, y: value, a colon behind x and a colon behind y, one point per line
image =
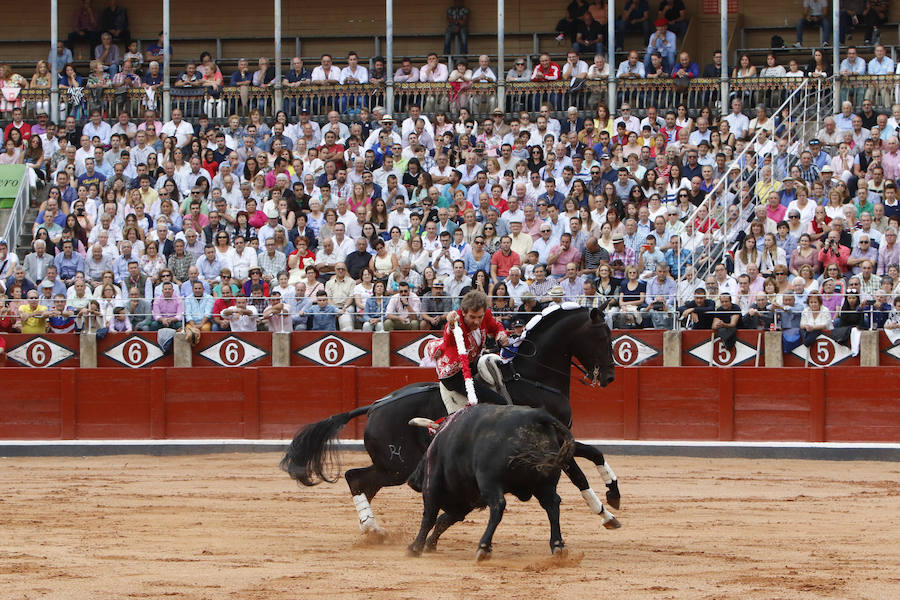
x: 650, y: 403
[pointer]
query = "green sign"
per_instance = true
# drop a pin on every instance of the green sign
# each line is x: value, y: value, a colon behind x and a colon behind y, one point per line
x: 10, y: 177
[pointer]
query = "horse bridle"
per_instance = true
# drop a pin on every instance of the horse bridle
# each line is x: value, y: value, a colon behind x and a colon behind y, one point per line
x: 590, y: 380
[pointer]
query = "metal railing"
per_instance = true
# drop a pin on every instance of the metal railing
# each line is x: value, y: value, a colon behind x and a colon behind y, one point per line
x: 479, y: 98
x: 17, y: 215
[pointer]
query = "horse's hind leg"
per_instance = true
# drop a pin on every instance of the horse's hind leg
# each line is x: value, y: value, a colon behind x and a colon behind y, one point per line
x: 613, y: 497
x: 576, y: 475
x: 364, y: 484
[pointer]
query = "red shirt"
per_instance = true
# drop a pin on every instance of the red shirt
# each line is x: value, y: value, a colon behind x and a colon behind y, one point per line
x: 447, y: 356
x: 501, y: 206
x: 551, y: 73
x: 24, y: 128
x: 826, y: 257
x: 505, y: 263
x: 221, y: 304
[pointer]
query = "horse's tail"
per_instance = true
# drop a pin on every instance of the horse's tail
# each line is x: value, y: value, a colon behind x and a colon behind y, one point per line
x: 312, y: 458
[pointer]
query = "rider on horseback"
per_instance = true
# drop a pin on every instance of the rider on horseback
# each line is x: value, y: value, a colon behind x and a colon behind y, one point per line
x: 477, y: 323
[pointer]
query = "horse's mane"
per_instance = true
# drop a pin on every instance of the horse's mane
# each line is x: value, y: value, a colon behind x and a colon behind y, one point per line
x: 546, y: 322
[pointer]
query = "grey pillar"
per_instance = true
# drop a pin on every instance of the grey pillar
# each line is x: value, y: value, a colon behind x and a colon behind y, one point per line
x: 501, y: 52
x: 54, y: 73
x: 182, y: 352
x: 87, y: 350
x: 281, y: 349
x: 836, y: 54
x: 277, y: 106
x: 671, y: 348
x: 868, y: 348
x: 723, y: 42
x: 167, y: 64
x: 774, y: 355
x: 389, y: 56
x: 611, y: 56
x: 381, y: 349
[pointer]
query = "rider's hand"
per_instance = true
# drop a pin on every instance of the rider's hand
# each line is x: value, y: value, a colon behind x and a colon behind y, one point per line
x: 452, y: 317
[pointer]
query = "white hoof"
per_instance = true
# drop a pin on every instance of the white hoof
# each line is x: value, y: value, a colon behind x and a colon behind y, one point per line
x: 371, y: 527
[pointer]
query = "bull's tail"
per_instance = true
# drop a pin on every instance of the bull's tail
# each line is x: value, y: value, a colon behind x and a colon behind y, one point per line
x: 543, y: 459
x: 312, y: 458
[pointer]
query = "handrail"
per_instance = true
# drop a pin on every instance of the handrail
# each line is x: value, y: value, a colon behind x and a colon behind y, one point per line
x: 17, y: 216
x: 663, y: 93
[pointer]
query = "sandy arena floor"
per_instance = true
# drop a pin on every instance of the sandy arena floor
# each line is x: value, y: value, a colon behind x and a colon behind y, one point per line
x: 234, y: 526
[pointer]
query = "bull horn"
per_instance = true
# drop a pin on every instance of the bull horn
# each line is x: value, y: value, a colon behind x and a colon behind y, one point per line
x: 422, y: 422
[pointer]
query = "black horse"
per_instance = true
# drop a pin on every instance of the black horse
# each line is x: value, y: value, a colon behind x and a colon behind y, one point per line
x: 542, y: 379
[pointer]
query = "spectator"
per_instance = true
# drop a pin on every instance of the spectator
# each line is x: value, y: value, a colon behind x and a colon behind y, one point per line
x: 662, y: 42
x: 675, y: 12
x: 457, y: 27
x: 242, y: 316
x: 635, y: 16
x: 403, y: 309
x: 814, y: 15
x: 168, y: 308
x: 85, y: 27
x: 33, y: 314
x: 107, y: 54
x: 589, y: 35
x: 114, y: 20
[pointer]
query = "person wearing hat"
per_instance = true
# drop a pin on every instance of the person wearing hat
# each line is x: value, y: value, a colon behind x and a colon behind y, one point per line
x: 268, y: 230
x: 557, y: 294
x: 621, y: 256
x: 662, y: 41
x: 820, y: 158
x: 435, y: 305
x: 387, y: 126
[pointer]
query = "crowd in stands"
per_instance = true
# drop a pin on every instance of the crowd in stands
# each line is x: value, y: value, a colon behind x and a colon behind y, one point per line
x: 314, y: 220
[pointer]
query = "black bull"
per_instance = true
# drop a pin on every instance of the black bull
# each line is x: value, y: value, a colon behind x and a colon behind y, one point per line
x: 483, y: 453
x: 543, y: 376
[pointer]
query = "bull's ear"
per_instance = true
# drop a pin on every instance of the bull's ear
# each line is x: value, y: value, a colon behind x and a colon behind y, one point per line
x: 597, y: 313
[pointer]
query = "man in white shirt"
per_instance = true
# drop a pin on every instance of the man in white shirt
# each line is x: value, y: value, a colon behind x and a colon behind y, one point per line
x: 329, y: 256
x: 409, y: 123
x: 632, y: 123
x: 326, y: 73
x: 353, y: 72
x: 399, y: 215
x: 242, y: 316
x: 436, y: 72
x: 433, y: 70
x: 440, y: 172
x: 738, y: 120
x: 244, y: 259
x: 387, y: 126
x: 515, y: 286
x: 182, y: 130
x: 442, y: 258
x: 342, y: 242
x: 380, y: 174
x: 515, y: 203
x: 574, y: 68
x: 141, y: 150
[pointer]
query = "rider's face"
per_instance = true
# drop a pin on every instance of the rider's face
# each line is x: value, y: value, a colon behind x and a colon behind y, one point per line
x: 473, y: 318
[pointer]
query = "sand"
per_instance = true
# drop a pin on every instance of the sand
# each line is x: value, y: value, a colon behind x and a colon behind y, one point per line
x: 234, y: 526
